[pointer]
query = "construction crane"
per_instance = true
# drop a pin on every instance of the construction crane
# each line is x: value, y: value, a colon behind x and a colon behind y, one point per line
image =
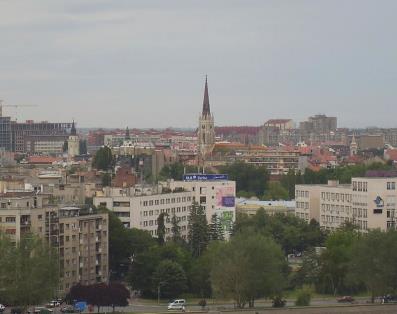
x: 14, y: 106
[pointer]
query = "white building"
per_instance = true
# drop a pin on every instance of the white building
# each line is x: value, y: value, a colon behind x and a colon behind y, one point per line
x: 369, y: 203
x: 139, y: 207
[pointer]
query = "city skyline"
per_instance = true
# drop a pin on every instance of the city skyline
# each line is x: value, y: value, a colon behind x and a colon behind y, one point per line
x: 143, y: 65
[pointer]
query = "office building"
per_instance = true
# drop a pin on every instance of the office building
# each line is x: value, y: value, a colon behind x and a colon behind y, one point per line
x: 368, y: 202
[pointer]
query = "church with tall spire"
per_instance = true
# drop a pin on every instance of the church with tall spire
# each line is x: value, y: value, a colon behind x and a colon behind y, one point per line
x: 206, y: 130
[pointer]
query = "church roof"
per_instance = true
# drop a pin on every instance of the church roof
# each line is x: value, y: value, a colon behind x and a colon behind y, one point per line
x: 206, y: 101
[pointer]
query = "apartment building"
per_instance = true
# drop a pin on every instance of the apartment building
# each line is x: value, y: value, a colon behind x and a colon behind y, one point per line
x: 139, y: 207
x: 368, y: 202
x: 80, y: 237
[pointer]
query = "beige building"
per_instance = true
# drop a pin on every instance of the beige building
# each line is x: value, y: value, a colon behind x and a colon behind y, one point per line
x: 369, y: 203
x: 139, y: 207
x: 80, y: 237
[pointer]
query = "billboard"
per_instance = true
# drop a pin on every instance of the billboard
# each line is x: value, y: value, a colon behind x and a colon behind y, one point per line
x: 225, y: 196
x: 205, y: 177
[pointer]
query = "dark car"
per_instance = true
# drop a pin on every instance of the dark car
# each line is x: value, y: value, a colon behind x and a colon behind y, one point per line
x: 346, y: 299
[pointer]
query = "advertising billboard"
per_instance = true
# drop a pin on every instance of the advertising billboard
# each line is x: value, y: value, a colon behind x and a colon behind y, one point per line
x: 225, y: 196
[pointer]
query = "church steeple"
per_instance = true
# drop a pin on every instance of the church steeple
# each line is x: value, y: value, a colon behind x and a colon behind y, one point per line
x: 206, y: 101
x: 127, y: 134
x: 73, y: 130
x: 206, y: 131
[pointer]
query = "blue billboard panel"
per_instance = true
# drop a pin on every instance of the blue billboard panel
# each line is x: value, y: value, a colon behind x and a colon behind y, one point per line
x: 205, y: 177
x: 228, y: 201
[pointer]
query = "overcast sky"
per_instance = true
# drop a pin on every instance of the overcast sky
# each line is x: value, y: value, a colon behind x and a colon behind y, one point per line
x: 143, y: 63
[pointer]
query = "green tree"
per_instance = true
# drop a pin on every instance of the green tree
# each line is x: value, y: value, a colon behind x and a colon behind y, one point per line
x: 248, y: 267
x: 335, y: 261
x: 175, y: 171
x: 199, y: 276
x: 249, y: 178
x: 170, y: 279
x: 292, y: 233
x: 275, y: 191
x: 146, y: 263
x: 175, y: 230
x: 106, y: 179
x: 198, y: 233
x: 289, y: 181
x: 65, y: 146
x: 124, y: 245
x: 28, y: 271
x: 83, y: 147
x: 373, y: 262
x: 161, y: 229
x: 103, y: 159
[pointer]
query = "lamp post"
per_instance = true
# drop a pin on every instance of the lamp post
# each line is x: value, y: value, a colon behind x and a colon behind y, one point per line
x: 158, y: 290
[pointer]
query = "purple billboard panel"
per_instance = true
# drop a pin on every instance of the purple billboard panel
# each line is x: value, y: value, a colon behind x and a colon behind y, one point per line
x: 228, y: 201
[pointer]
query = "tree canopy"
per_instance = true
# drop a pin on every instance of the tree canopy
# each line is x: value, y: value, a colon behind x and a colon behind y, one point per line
x: 103, y: 159
x: 28, y: 271
x: 248, y: 267
x: 249, y: 178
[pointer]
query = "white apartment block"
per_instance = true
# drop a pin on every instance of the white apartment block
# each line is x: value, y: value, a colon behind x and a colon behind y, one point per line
x: 140, y: 207
x: 368, y: 202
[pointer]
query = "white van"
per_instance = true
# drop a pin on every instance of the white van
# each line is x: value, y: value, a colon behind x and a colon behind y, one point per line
x: 177, y: 304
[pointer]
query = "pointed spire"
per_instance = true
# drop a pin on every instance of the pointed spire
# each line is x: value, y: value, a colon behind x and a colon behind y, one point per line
x: 127, y: 134
x: 73, y: 129
x: 353, y: 139
x: 206, y: 101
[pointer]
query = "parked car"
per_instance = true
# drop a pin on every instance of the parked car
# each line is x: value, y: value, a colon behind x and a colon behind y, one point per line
x: 53, y: 303
x: 346, y: 299
x: 2, y: 308
x: 177, y: 305
x: 69, y: 309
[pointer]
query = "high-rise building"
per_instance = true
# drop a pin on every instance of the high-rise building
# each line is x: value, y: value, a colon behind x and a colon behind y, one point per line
x: 5, y: 133
x: 206, y: 131
x: 32, y: 137
x: 79, y: 237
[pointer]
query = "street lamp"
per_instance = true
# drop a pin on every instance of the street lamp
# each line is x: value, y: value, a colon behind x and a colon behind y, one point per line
x: 158, y: 290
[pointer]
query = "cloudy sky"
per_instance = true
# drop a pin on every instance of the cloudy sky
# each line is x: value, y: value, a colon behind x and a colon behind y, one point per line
x: 143, y: 63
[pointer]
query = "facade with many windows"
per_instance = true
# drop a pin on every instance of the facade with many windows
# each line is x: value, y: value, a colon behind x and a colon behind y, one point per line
x: 139, y: 207
x: 368, y: 203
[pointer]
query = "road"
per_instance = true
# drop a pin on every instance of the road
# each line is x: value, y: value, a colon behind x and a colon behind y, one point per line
x: 139, y: 306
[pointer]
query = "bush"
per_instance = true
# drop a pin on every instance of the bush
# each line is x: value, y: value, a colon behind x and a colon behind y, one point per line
x: 303, y: 297
x: 202, y: 303
x: 279, y: 302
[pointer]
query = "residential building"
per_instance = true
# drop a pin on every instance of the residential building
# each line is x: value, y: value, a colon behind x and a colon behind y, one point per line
x: 79, y: 236
x: 140, y: 206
